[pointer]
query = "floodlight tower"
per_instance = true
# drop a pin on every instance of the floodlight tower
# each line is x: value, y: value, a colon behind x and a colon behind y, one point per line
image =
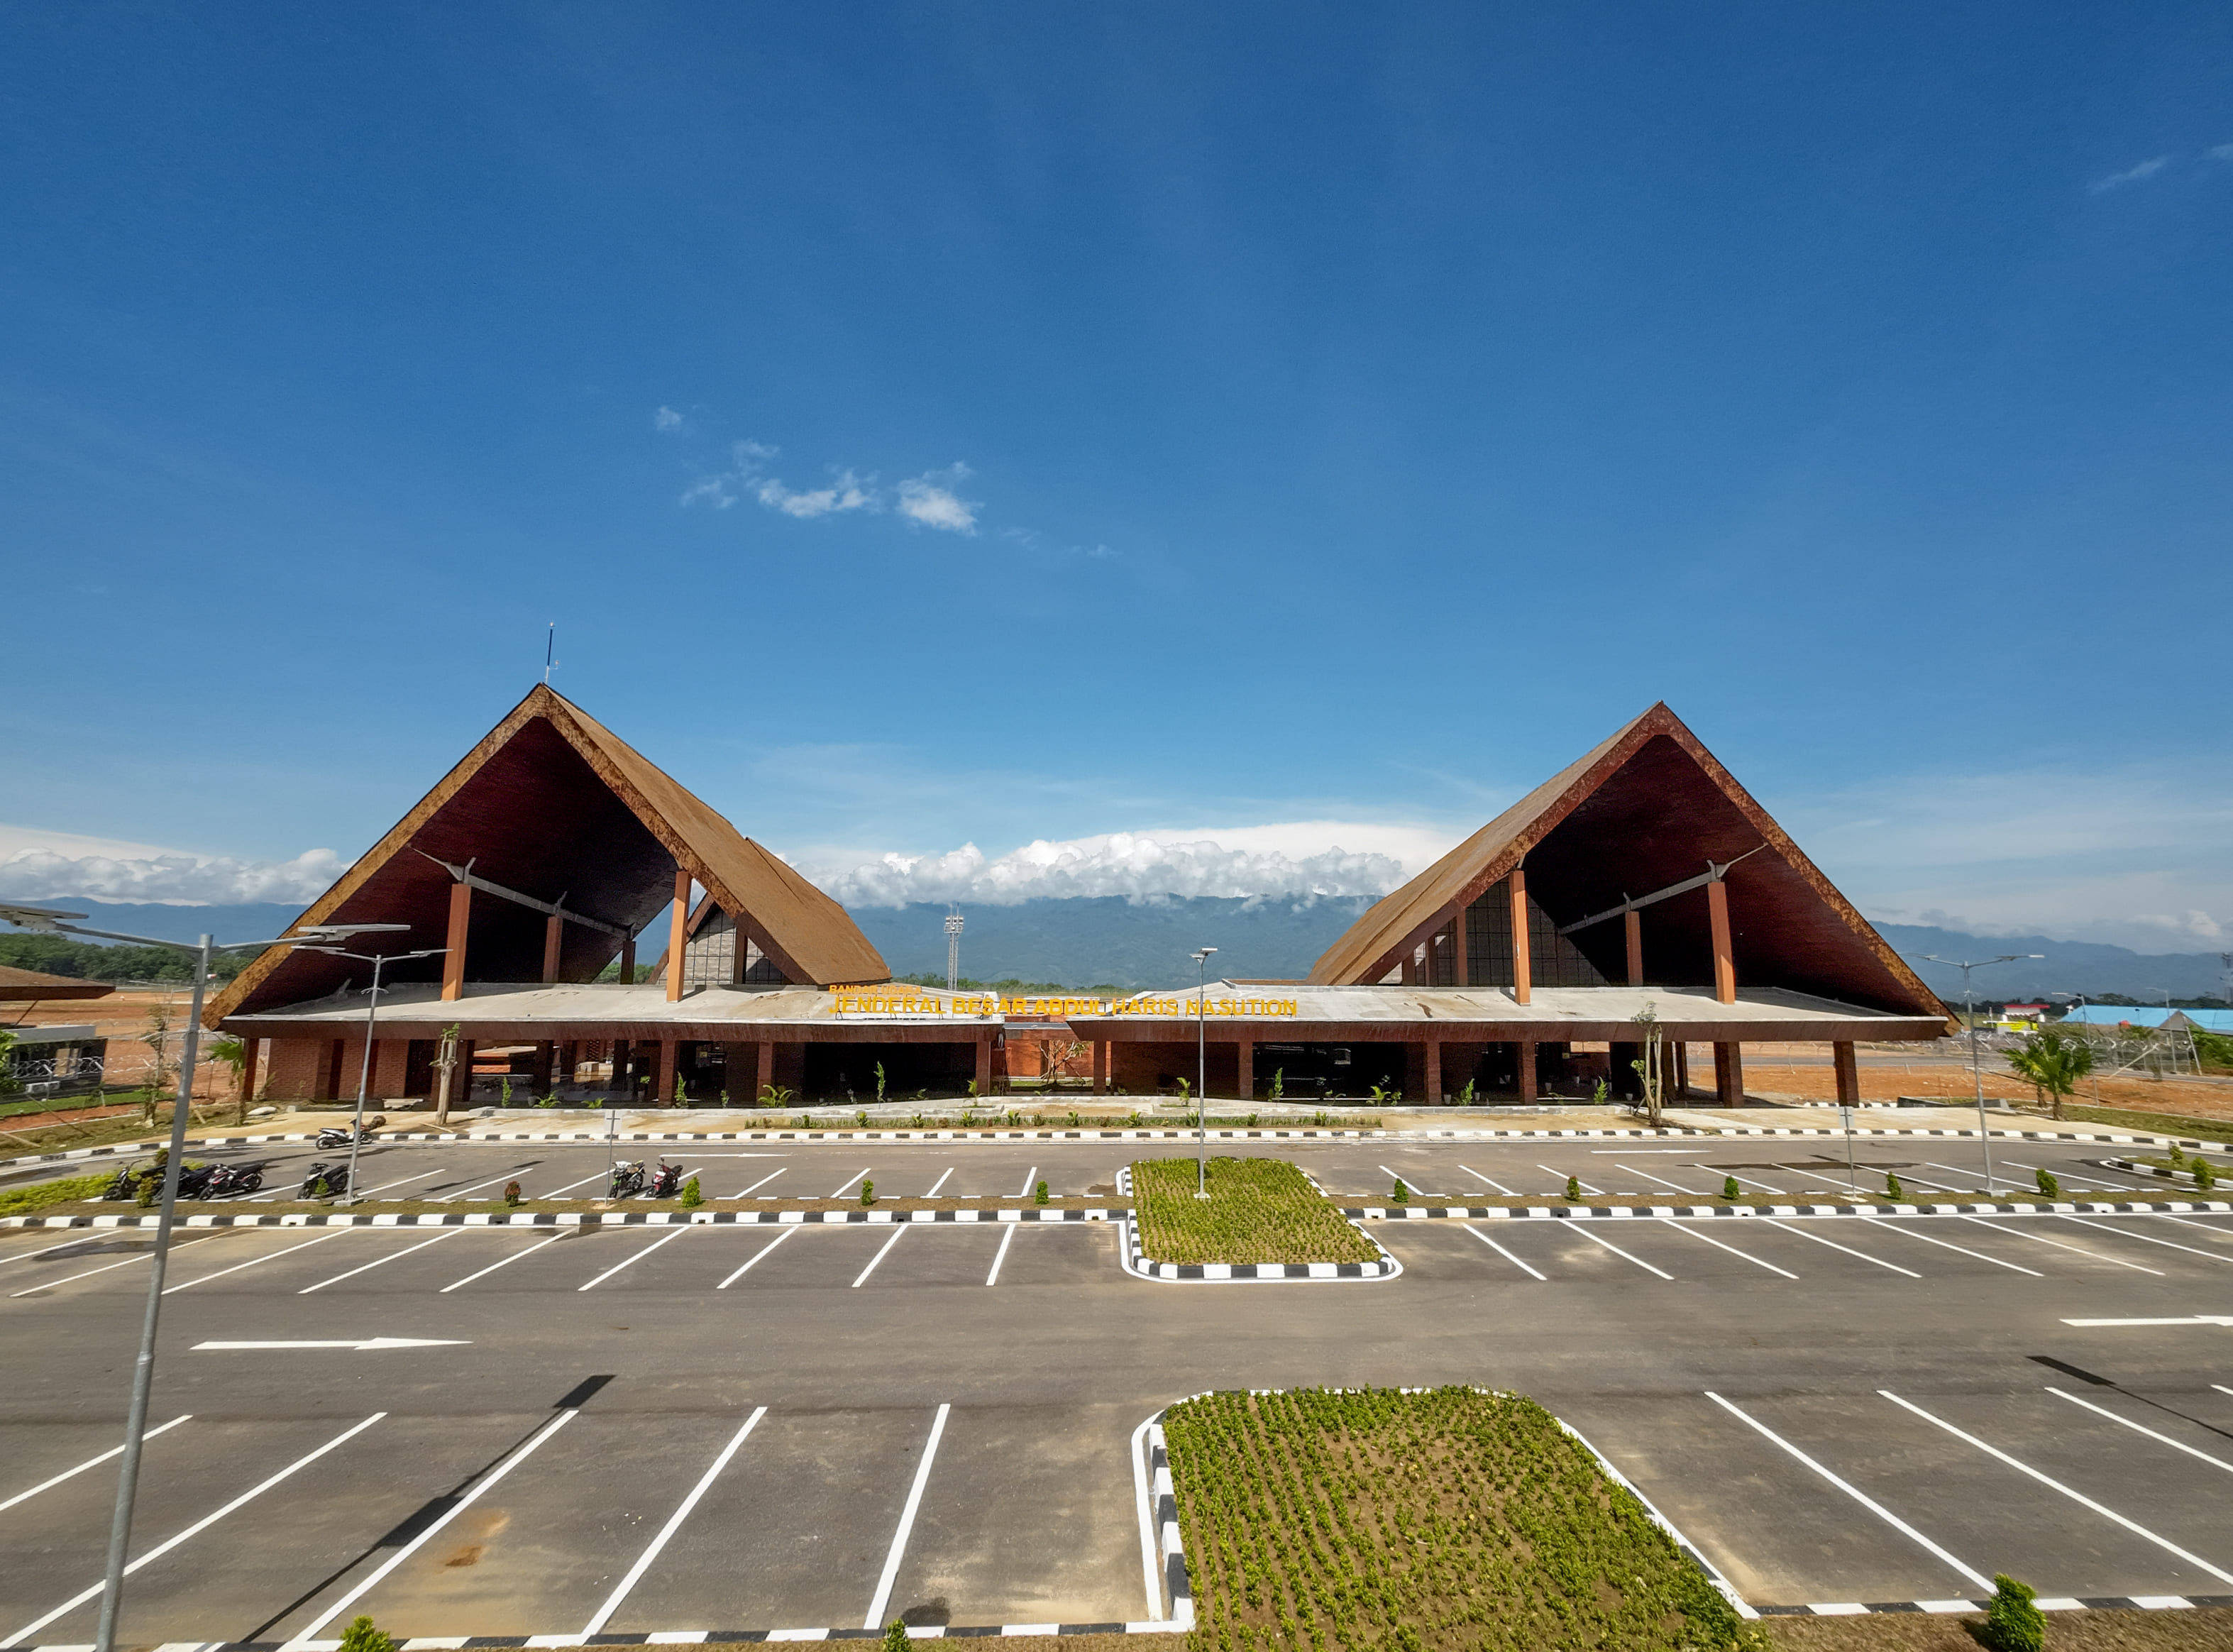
x: 953, y: 947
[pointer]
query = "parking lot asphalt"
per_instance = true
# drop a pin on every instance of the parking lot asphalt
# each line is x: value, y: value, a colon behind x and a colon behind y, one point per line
x: 724, y: 1427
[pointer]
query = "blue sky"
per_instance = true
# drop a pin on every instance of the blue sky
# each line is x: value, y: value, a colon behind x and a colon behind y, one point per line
x: 935, y: 425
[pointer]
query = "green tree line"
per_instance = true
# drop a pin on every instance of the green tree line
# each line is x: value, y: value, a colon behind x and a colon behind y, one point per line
x: 87, y: 960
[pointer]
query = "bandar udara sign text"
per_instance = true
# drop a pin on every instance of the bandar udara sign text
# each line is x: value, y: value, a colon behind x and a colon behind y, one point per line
x: 887, y: 1003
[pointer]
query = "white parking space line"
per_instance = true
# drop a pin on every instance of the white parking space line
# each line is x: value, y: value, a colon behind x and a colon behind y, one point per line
x: 2176, y: 1444
x: 849, y: 1181
x: 366, y: 1192
x: 2149, y: 1239
x: 45, y: 1250
x: 90, y: 1462
x: 2040, y: 1239
x: 1499, y: 1186
x: 2188, y: 1221
x: 762, y: 1182
x: 898, y: 1234
x: 1890, y: 1227
x: 71, y: 1278
x: 2102, y: 1509
x: 269, y: 1256
x: 1975, y: 1176
x: 891, y: 1571
x: 24, y: 1634
x: 665, y: 1239
x: 381, y: 1262
x: 1576, y: 1181
x: 2090, y: 1178
x: 1746, y: 1181
x: 2221, y: 1387
x: 757, y: 1258
x: 1670, y: 1222
x: 603, y: 1615
x: 1934, y: 1187
x: 569, y: 1186
x: 487, y: 1481
x: 1867, y: 1502
x: 940, y: 1182
x: 1030, y: 1176
x: 525, y: 1251
x: 1007, y: 1233
x: 1500, y: 1250
x: 1847, y: 1248
x: 444, y: 1199
x: 1577, y: 1227
x: 1636, y: 1170
x: 1394, y: 1177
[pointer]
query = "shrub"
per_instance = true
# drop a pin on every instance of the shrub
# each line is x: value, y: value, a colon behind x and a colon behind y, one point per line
x: 362, y: 1635
x: 2048, y: 1187
x: 896, y: 1636
x: 2013, y: 1624
x: 512, y: 1193
x: 867, y: 1192
x: 691, y: 1195
x: 18, y: 1200
x: 2178, y: 1154
x: 1573, y: 1188
x: 1039, y: 1195
x: 1730, y: 1192
x: 2205, y: 1174
x: 1892, y: 1189
x: 776, y: 1095
x: 1403, y: 1194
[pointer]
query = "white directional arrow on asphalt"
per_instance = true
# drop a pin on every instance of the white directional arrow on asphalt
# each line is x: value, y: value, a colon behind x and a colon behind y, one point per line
x: 2191, y: 1319
x: 367, y: 1345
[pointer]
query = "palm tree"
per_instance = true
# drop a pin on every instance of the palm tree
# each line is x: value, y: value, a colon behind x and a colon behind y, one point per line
x: 2054, y: 1061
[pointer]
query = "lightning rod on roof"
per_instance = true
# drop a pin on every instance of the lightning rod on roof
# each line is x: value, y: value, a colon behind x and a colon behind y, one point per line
x: 549, y: 645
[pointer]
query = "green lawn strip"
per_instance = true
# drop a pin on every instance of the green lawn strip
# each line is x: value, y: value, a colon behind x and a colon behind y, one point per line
x: 2188, y: 1126
x: 23, y: 1201
x: 1258, y: 1210
x: 1375, y: 1521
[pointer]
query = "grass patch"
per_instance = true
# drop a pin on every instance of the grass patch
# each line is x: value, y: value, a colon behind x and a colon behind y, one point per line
x: 1258, y: 1210
x: 21, y: 1202
x: 1448, y: 1521
x: 2189, y: 1127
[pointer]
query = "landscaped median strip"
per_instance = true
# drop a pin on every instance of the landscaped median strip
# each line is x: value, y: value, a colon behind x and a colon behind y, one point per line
x: 1267, y: 1207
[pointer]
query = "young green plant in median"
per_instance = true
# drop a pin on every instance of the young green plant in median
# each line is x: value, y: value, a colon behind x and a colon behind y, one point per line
x: 1401, y: 1195
x: 2013, y: 1624
x: 2048, y: 1187
x: 693, y: 1196
x: 1893, y: 1191
x: 1573, y: 1188
x: 362, y: 1635
x: 1730, y: 1192
x: 867, y: 1192
x: 1258, y: 1210
x: 1447, y: 1521
x: 1039, y: 1193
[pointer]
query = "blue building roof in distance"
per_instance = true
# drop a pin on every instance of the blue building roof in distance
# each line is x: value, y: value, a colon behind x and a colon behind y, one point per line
x: 2145, y: 1015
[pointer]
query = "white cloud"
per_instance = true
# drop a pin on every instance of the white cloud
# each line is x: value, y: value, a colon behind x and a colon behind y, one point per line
x: 1301, y: 860
x: 846, y: 494
x: 2137, y: 174
x: 929, y: 500
x: 667, y: 419
x: 2220, y: 152
x: 40, y: 873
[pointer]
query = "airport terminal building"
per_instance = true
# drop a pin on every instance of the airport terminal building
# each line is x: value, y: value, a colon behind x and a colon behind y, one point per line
x: 1640, y: 898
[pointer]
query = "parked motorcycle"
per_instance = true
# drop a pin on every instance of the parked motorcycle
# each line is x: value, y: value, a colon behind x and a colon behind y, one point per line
x: 326, y: 1181
x: 667, y: 1182
x: 627, y: 1180
x: 231, y: 1180
x: 336, y: 1137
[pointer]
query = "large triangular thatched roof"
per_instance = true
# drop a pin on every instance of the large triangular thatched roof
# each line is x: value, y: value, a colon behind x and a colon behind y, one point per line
x: 1645, y: 809
x: 554, y: 805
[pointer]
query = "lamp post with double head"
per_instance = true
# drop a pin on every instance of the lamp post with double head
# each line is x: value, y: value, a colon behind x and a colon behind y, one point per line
x: 49, y: 920
x: 379, y: 961
x: 1969, y: 1014
x: 1201, y: 1074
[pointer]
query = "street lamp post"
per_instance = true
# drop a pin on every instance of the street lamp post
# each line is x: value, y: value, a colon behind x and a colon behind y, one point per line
x: 1201, y: 1074
x: 46, y: 920
x: 371, y: 1013
x: 1976, y: 1069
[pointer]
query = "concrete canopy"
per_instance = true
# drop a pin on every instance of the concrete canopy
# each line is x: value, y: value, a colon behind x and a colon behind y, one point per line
x: 1648, y: 808
x: 553, y: 805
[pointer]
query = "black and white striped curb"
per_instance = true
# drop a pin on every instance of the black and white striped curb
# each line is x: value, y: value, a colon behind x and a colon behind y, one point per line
x: 565, y: 1218
x: 1141, y: 1266
x: 1645, y: 1213
x: 125, y: 1149
x: 2132, y: 1137
x: 2157, y: 1171
x: 2046, y: 1603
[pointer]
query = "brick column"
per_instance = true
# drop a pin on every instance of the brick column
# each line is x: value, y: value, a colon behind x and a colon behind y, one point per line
x: 619, y: 1080
x: 453, y: 961
x: 1848, y: 1073
x: 663, y: 1085
x: 1729, y: 1070
x: 553, y: 935
x: 985, y: 1063
x: 677, y: 938
x: 1523, y: 971
x: 1244, y: 1069
x: 1101, y: 1066
x: 1434, y: 1094
x: 1527, y: 1071
x: 627, y: 960
x: 1462, y: 965
x: 540, y: 1078
x: 763, y: 1073
x: 1635, y: 928
x: 250, y: 1048
x: 1725, y: 962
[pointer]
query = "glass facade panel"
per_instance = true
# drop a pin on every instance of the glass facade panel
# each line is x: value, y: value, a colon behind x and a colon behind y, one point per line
x: 1553, y: 960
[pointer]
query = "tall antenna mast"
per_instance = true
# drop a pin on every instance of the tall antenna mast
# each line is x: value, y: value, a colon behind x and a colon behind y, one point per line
x: 953, y: 947
x: 549, y: 649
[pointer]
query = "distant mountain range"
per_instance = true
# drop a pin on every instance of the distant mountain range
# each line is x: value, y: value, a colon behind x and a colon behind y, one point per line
x: 1109, y: 942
